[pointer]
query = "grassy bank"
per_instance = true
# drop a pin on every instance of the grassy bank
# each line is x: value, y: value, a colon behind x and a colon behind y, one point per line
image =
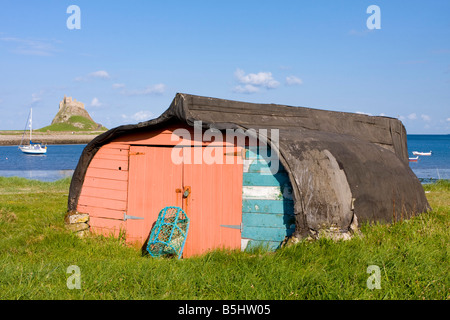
x: 75, y: 124
x: 36, y: 250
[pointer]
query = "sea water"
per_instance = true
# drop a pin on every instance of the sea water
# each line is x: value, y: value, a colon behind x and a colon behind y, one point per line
x: 61, y: 160
x: 436, y: 166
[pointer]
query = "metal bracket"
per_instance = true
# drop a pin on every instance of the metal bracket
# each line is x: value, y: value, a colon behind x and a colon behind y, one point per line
x: 232, y: 226
x: 242, y: 153
x: 127, y: 217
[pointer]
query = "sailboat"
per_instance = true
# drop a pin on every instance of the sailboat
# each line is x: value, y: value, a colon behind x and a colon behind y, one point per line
x: 417, y: 153
x: 32, y: 148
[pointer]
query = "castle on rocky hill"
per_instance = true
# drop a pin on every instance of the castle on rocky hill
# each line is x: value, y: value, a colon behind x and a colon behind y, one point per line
x: 69, y: 108
x: 68, y: 101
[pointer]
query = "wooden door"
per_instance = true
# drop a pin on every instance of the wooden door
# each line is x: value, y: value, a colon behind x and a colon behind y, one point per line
x: 214, y: 204
x: 152, y: 183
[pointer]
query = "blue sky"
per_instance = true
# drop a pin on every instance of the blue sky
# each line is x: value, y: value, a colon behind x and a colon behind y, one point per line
x: 130, y: 58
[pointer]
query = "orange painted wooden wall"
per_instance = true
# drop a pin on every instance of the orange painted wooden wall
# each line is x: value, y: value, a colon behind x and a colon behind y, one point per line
x: 135, y: 175
x: 105, y: 190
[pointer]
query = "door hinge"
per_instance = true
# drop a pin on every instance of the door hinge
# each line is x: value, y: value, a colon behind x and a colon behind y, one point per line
x: 127, y: 217
x: 232, y: 226
x: 137, y: 153
x: 242, y: 153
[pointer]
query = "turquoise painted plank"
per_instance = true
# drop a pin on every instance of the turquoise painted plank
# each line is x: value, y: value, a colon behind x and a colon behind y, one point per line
x: 268, y: 245
x: 268, y: 220
x: 265, y: 170
x: 258, y: 165
x: 261, y: 157
x: 261, y: 162
x: 268, y: 206
x: 257, y: 179
x: 262, y: 166
x: 258, y: 152
x: 263, y: 233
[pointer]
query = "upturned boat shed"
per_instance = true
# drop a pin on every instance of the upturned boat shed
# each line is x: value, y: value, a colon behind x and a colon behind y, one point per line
x: 246, y: 174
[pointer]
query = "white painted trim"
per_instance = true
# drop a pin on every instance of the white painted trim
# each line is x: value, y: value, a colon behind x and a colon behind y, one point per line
x: 244, y: 243
x: 258, y: 192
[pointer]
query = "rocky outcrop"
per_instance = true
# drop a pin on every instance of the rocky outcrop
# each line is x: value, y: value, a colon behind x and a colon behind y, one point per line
x: 68, y: 108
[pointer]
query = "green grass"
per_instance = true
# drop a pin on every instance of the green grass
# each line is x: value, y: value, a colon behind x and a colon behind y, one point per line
x: 75, y: 123
x: 36, y: 250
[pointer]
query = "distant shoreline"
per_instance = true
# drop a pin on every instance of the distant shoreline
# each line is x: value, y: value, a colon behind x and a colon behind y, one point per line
x: 12, y: 138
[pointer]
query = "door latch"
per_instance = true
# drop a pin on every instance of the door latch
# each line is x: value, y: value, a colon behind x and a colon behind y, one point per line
x: 187, y: 191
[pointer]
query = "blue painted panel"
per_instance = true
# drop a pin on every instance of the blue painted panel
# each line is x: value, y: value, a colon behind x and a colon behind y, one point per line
x: 257, y: 179
x: 268, y: 206
x: 263, y: 233
x: 258, y: 152
x: 268, y: 220
x: 263, y: 166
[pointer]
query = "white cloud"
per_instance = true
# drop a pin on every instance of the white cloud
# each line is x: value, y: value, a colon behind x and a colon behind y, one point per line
x: 36, y: 97
x: 118, y: 85
x: 248, y: 88
x: 293, y: 80
x: 31, y: 46
x: 95, y: 103
x: 159, y: 88
x: 139, y: 116
x: 100, y: 74
x: 412, y: 116
x: 261, y: 79
x: 448, y: 119
x: 365, y: 113
x: 425, y: 117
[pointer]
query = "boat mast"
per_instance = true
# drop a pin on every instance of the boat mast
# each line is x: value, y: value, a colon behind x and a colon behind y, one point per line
x: 31, y: 121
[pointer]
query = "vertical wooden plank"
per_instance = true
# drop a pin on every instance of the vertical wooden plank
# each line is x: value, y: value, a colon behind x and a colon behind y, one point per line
x: 136, y: 191
x: 193, y: 177
x: 187, y: 204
